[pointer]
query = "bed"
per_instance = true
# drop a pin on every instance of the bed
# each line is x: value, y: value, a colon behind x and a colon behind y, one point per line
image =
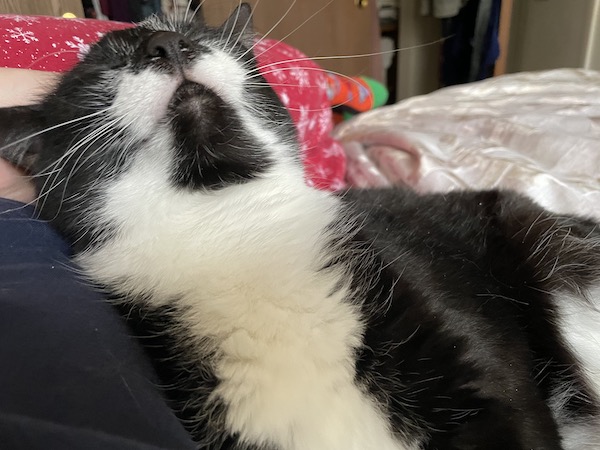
x: 536, y: 133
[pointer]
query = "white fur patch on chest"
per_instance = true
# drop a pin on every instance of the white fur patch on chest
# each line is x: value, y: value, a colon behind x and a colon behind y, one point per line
x: 243, y: 263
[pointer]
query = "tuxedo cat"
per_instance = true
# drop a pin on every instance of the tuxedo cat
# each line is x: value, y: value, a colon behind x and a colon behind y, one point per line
x: 282, y: 317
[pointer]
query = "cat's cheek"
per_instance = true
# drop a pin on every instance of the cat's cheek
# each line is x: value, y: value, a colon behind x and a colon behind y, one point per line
x: 142, y: 101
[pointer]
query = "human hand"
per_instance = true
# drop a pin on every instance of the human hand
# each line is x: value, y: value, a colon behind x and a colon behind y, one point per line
x: 20, y: 87
x: 14, y: 185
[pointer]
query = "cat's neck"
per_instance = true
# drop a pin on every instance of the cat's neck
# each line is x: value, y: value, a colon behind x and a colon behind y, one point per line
x: 261, y: 239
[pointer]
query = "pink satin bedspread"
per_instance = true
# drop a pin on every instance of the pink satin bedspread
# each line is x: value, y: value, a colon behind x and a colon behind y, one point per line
x: 536, y: 133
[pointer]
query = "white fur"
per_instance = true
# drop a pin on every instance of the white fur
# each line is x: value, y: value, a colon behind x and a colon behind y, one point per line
x: 579, y: 319
x: 142, y: 100
x: 244, y: 263
x: 220, y: 72
x: 245, y: 260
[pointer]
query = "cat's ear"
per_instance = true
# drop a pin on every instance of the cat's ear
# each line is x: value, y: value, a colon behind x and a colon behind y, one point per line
x: 239, y: 23
x: 198, y: 15
x: 193, y: 13
x: 20, y: 141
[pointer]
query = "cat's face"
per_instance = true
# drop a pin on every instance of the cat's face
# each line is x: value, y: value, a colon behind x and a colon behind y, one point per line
x: 175, y: 105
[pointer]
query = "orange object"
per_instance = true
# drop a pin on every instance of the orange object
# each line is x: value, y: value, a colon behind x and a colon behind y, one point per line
x: 349, y: 92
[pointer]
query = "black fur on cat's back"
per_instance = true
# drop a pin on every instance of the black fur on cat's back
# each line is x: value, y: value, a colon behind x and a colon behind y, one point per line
x: 462, y: 336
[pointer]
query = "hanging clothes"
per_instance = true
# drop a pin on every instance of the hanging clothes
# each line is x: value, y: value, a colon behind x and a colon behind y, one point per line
x: 471, y: 48
x: 131, y: 10
x: 116, y: 10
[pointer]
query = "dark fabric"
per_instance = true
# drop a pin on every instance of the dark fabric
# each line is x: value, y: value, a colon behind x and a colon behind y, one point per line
x: 117, y: 10
x: 71, y: 375
x: 471, y: 48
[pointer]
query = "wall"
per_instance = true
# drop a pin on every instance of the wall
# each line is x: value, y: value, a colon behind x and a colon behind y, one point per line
x: 548, y: 34
x: 419, y: 51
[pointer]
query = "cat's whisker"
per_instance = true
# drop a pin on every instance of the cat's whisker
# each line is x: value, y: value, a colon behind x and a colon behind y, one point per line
x: 294, y: 85
x: 54, y: 127
x: 187, y: 10
x: 305, y: 110
x: 317, y: 69
x: 42, y: 58
x: 265, y: 36
x: 55, y: 181
x: 233, y: 26
x: 291, y: 32
x: 361, y: 55
x: 196, y: 10
x: 243, y: 31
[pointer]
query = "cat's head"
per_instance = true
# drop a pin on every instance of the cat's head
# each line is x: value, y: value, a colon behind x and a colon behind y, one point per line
x: 168, y: 104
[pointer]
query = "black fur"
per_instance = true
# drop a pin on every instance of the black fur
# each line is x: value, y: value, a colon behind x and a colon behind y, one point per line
x: 462, y: 343
x: 187, y: 379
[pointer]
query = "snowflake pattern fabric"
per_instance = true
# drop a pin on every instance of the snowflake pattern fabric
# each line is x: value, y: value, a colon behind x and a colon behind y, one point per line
x: 56, y: 44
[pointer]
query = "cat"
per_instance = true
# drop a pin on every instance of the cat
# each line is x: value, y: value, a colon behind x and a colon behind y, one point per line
x: 287, y: 318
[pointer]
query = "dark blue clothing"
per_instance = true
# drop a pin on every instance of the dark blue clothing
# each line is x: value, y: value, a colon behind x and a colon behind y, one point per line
x: 71, y: 376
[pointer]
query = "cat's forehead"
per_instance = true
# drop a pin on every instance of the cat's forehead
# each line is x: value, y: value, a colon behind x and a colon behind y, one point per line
x: 178, y: 25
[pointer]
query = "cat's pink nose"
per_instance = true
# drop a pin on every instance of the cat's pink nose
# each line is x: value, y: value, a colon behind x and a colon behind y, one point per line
x: 167, y: 45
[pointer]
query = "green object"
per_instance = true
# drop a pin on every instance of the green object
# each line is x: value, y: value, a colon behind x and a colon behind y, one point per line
x: 379, y: 91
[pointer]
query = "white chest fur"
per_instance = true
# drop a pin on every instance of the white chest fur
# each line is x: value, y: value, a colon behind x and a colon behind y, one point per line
x: 245, y: 262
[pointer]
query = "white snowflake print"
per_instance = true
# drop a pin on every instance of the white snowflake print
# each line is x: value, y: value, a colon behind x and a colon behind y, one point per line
x: 285, y: 98
x: 305, y: 118
x: 302, y: 75
x: 20, y: 35
x: 321, y: 171
x: 337, y: 184
x: 26, y: 19
x: 291, y: 55
x: 322, y: 83
x: 324, y: 121
x: 333, y: 151
x: 80, y: 45
x: 278, y: 73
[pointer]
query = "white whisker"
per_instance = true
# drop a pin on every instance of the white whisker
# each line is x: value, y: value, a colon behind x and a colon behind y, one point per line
x: 270, y: 29
x: 54, y: 127
x: 294, y: 30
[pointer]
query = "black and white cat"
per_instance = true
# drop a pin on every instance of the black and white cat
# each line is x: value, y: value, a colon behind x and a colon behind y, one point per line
x: 288, y: 318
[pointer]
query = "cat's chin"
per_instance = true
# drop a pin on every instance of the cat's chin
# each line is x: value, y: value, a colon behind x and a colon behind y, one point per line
x: 196, y: 110
x: 188, y: 91
x: 192, y: 101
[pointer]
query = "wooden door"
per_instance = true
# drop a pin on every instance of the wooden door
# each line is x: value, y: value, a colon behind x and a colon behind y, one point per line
x: 41, y: 7
x: 338, y: 29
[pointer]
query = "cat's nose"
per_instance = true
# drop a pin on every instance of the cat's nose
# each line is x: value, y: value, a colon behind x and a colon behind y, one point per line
x: 167, y: 45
